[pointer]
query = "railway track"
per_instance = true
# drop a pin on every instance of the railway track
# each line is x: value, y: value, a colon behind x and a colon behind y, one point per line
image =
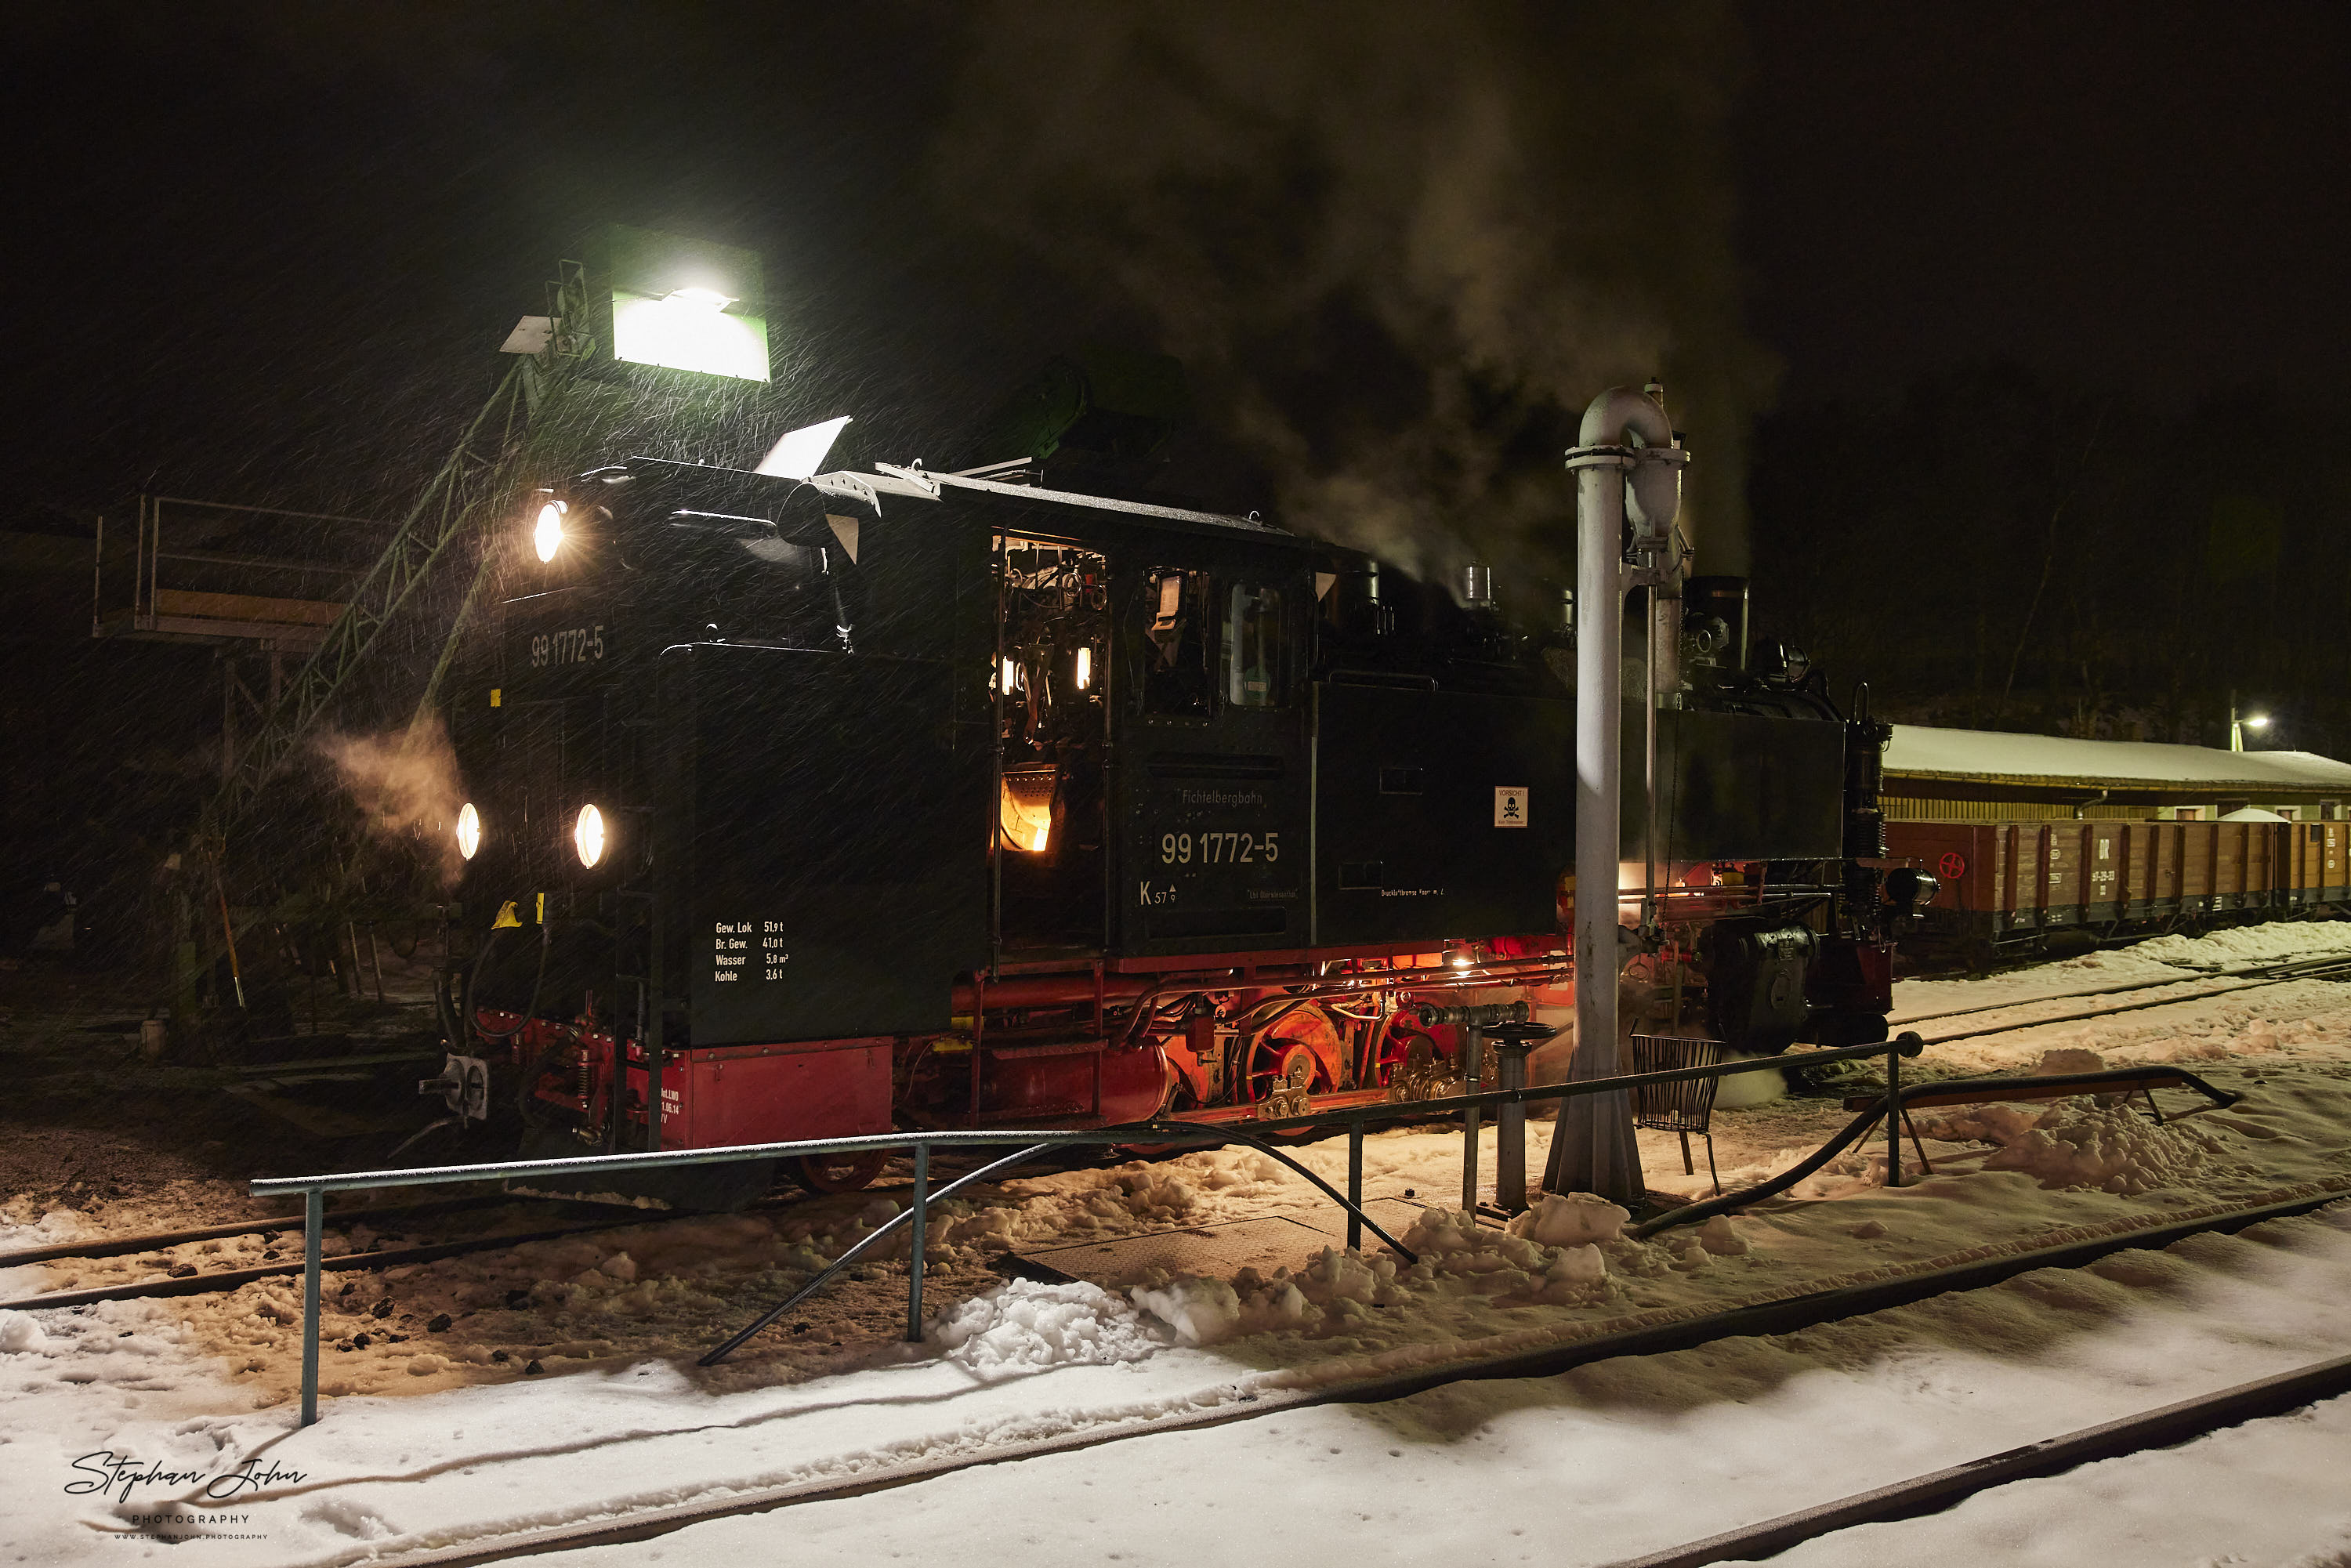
x: 206, y: 1282
x: 1945, y: 1488
x: 268, y: 1226
x: 2171, y: 1423
x: 2255, y: 978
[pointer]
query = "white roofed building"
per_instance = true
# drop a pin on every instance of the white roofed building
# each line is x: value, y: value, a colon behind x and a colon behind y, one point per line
x: 1969, y: 775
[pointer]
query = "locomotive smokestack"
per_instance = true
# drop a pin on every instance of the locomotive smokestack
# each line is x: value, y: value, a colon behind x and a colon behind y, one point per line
x: 1476, y: 585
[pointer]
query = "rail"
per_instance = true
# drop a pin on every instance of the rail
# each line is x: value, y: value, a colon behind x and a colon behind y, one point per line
x: 914, y: 1218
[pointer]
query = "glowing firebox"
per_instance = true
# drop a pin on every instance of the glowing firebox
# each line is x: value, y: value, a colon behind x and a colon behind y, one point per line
x: 1025, y: 807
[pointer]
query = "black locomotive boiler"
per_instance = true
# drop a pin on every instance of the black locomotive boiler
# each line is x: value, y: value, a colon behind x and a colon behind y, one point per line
x: 809, y: 808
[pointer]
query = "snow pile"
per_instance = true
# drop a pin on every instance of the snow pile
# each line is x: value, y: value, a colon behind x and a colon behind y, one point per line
x: 2079, y: 1143
x: 21, y: 1332
x: 1744, y: 1090
x: 1570, y: 1220
x: 1333, y: 1293
x: 1576, y: 1268
x: 1343, y: 1275
x: 1208, y: 1311
x: 1201, y: 1312
x: 1721, y: 1238
x: 55, y: 1227
x: 1440, y: 1231
x: 1031, y: 1327
x: 1460, y: 1258
x: 2249, y: 945
x: 2002, y: 1124
x: 1201, y: 1186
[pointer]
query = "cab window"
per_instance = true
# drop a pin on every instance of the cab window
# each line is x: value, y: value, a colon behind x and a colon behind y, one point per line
x: 1177, y: 611
x: 1253, y: 650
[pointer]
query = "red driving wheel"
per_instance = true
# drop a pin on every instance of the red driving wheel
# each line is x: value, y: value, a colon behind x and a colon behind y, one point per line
x: 1391, y: 1047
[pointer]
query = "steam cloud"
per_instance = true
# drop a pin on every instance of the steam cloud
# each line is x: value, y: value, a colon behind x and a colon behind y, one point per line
x: 406, y: 781
x: 1399, y: 245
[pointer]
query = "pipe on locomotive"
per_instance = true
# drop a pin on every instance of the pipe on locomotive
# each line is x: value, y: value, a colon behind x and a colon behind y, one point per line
x: 1626, y: 466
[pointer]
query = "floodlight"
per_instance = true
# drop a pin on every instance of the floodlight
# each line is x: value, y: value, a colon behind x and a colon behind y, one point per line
x: 687, y: 335
x: 2257, y: 721
x: 469, y: 830
x: 547, y: 535
x: 588, y: 836
x: 685, y: 304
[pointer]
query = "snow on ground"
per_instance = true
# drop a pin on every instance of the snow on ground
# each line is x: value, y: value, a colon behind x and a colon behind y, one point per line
x: 556, y: 1383
x: 2238, y: 944
x: 2206, y: 1015
x: 2158, y: 959
x: 1636, y: 1455
x: 2108, y: 969
x: 2290, y: 1021
x: 2269, y: 1492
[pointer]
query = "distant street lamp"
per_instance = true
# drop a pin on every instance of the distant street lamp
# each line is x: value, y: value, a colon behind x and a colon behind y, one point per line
x: 2237, y: 727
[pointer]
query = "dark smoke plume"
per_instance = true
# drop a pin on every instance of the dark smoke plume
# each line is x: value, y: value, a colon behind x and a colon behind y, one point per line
x: 1399, y: 245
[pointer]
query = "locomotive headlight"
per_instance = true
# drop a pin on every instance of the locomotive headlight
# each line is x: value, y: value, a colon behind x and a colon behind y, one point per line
x: 469, y: 829
x: 588, y: 836
x: 547, y: 534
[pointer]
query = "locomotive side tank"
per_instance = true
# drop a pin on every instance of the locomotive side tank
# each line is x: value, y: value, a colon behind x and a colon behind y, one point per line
x: 807, y: 808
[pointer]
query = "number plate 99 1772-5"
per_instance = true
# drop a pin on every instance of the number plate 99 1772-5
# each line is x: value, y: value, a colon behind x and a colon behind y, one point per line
x: 1219, y: 848
x: 571, y: 645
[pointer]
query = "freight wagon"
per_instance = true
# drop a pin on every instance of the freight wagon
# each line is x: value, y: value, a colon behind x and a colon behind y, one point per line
x: 2057, y: 884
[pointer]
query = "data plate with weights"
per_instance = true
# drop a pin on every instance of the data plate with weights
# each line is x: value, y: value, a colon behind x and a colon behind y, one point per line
x: 826, y: 873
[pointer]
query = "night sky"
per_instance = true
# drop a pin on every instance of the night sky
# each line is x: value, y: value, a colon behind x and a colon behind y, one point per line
x: 268, y: 249
x: 2143, y: 196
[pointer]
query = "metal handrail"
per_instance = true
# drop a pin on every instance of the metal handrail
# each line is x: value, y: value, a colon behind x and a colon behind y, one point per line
x: 1352, y: 1120
x: 1893, y: 1106
x: 917, y: 1215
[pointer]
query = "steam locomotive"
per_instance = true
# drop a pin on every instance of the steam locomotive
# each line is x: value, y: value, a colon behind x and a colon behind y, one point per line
x: 812, y: 807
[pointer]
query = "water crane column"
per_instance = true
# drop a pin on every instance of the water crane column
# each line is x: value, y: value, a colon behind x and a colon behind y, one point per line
x: 1627, y: 468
